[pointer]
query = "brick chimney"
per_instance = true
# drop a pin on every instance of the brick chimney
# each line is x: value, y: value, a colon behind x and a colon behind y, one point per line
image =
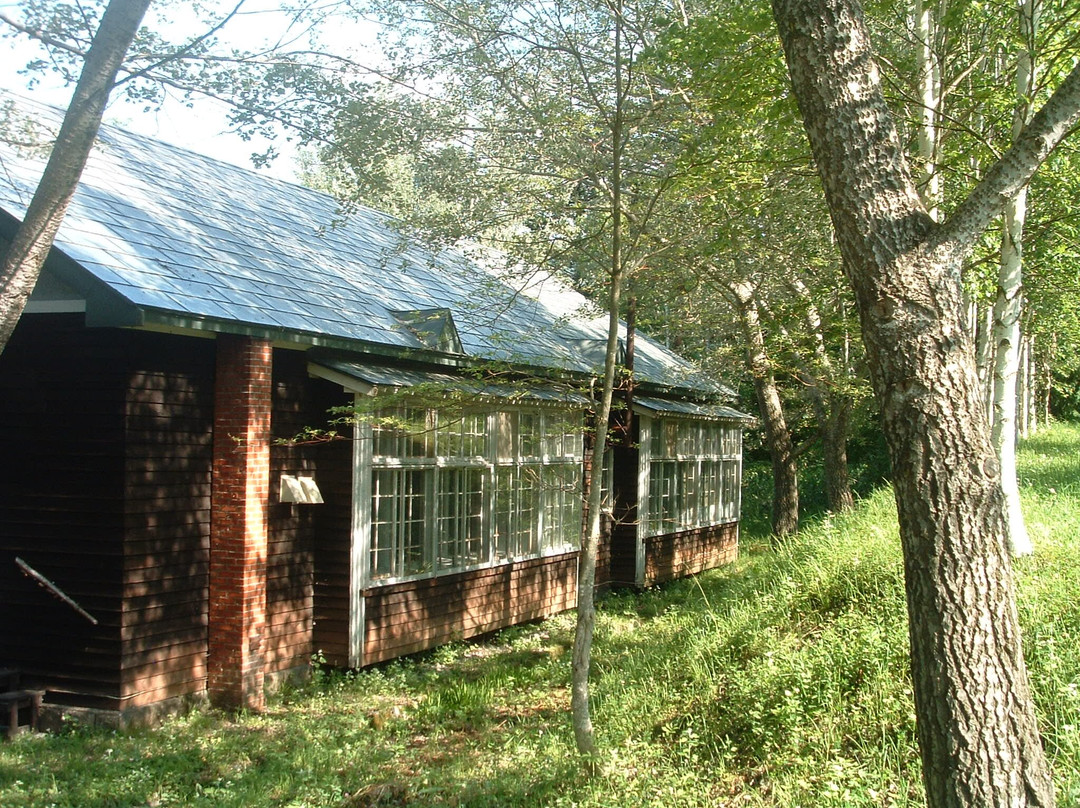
x: 240, y: 489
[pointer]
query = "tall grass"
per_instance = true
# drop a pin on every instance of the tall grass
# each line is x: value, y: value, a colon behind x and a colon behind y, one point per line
x: 779, y: 681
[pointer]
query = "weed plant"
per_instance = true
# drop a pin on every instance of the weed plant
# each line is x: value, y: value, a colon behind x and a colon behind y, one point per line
x: 780, y: 681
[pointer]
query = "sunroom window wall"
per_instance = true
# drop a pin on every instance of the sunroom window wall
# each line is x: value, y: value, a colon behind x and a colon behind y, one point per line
x: 693, y: 470
x: 454, y: 490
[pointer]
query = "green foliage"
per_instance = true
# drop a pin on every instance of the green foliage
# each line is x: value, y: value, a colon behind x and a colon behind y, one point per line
x: 282, y: 83
x: 777, y: 682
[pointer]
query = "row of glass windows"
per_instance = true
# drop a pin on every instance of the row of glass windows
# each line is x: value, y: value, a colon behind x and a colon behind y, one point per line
x: 694, y: 471
x: 685, y: 494
x: 456, y: 490
x: 680, y: 438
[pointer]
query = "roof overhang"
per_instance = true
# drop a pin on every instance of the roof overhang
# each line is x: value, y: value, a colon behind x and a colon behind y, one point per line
x: 689, y: 409
x: 369, y: 378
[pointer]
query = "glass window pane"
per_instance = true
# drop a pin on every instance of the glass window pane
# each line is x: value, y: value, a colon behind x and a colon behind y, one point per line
x: 383, y: 524
x: 573, y: 439
x: 474, y: 434
x: 657, y: 440
x: 448, y: 442
x: 553, y: 435
x: 730, y: 494
x: 385, y: 438
x: 562, y: 506
x: 607, y: 480
x: 529, y: 430
x: 527, y: 514
x: 688, y: 506
x: 671, y: 438
x: 473, y: 517
x: 505, y: 544
x: 687, y: 440
x: 461, y: 518
x: 413, y: 499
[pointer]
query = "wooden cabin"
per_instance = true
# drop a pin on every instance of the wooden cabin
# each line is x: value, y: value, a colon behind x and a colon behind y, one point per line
x: 166, y: 536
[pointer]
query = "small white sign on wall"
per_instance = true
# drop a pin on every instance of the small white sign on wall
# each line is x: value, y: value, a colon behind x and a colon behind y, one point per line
x: 300, y: 490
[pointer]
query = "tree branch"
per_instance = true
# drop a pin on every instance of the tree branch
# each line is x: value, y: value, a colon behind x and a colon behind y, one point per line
x: 1008, y: 175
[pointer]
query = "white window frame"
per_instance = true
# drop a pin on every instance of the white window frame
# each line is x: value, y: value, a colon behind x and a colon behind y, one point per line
x: 565, y: 450
x: 689, y: 449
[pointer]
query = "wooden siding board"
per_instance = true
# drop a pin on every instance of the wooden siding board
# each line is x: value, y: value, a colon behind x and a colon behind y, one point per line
x: 333, y: 535
x: 168, y: 441
x: 62, y: 512
x: 689, y: 552
x: 416, y: 615
x: 290, y: 542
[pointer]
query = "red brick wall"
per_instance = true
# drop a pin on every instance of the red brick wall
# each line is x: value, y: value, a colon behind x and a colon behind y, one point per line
x: 238, y: 522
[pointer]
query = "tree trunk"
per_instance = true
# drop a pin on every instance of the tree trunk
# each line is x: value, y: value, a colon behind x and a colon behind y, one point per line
x: 30, y: 247
x: 1048, y: 389
x: 1006, y: 369
x: 785, y: 504
x: 584, y: 735
x: 1030, y: 422
x: 834, y: 435
x: 930, y: 95
x: 1023, y: 388
x: 1008, y: 306
x: 978, y: 736
x: 832, y: 406
x: 984, y: 360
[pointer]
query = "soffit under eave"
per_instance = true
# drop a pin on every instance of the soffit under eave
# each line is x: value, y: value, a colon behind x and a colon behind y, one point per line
x: 365, y: 378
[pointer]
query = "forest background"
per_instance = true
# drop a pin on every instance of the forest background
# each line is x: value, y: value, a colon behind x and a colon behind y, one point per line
x: 652, y: 153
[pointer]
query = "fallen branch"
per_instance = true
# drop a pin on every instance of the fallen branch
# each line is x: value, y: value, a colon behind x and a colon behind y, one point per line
x: 52, y: 588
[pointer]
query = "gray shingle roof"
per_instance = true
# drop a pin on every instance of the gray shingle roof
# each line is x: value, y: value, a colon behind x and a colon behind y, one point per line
x: 690, y: 408
x: 180, y: 235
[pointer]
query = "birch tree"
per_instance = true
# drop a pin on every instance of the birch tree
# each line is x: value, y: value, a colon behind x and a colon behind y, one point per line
x: 978, y: 735
x: 930, y: 97
x: 25, y: 256
x: 1009, y: 303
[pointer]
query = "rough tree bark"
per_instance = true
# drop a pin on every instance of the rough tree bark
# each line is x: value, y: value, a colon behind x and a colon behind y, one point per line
x: 785, y: 467
x: 30, y: 247
x: 977, y: 731
x: 834, y: 435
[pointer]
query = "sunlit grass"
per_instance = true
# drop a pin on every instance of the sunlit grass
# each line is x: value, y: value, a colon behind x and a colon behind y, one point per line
x: 778, y: 681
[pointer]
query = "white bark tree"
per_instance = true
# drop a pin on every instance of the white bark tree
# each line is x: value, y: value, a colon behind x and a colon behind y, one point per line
x: 1008, y: 305
x: 929, y: 81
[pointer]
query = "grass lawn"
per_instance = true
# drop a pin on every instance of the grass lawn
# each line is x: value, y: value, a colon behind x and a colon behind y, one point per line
x: 778, y: 681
